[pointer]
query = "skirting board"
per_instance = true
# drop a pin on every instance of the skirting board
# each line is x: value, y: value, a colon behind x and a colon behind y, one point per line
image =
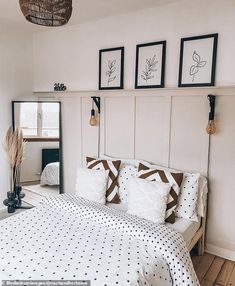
x: 222, y: 252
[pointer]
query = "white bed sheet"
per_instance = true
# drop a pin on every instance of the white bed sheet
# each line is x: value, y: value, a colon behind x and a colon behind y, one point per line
x: 51, y: 175
x: 67, y: 237
x: 184, y: 226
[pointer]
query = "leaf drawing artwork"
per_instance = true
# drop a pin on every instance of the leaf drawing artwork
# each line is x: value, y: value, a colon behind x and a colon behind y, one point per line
x: 194, y: 69
x: 111, y: 70
x: 150, y: 68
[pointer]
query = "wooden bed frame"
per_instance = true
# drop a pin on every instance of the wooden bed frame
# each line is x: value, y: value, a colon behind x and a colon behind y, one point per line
x: 199, y: 237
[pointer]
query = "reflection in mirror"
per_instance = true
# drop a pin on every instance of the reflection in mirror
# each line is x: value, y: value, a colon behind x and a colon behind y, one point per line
x: 41, y: 169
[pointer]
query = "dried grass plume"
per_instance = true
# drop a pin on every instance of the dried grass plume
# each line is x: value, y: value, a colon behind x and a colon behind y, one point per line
x: 14, y: 147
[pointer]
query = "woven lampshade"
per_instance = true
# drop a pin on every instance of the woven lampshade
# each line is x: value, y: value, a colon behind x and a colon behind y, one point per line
x: 47, y: 12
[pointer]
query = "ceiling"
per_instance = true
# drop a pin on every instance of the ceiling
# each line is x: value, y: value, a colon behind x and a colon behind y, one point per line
x: 83, y: 10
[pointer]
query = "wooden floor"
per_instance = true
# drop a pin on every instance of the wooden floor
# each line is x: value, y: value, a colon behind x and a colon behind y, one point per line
x: 214, y: 271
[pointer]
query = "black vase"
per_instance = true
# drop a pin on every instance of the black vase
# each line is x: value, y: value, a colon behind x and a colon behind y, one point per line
x: 19, y: 195
x: 11, y: 202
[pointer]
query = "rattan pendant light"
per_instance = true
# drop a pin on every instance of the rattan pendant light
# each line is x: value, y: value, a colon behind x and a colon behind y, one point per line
x: 47, y: 12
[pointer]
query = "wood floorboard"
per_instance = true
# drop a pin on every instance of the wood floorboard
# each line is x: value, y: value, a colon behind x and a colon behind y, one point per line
x: 225, y: 273
x: 231, y: 280
x: 214, y: 271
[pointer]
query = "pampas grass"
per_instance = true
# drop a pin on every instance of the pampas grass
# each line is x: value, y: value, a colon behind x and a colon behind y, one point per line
x: 14, y: 147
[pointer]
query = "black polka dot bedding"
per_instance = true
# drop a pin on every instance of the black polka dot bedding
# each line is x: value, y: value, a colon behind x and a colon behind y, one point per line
x: 67, y: 237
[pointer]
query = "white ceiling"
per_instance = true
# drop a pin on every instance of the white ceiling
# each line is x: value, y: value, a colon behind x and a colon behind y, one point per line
x: 83, y: 10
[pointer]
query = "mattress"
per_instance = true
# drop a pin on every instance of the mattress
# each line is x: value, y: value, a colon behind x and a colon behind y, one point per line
x: 184, y: 226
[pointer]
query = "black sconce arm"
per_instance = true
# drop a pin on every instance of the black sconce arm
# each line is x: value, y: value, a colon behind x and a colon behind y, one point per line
x: 96, y: 100
x: 211, y: 99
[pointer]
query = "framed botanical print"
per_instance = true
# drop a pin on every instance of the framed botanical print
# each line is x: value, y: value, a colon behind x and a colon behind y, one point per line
x: 150, y: 65
x: 111, y: 68
x: 198, y: 61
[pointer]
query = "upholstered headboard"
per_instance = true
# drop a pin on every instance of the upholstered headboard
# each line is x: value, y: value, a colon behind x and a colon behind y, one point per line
x: 50, y: 156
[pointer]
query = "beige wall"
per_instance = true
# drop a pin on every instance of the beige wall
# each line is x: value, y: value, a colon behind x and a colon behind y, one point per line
x: 70, y: 55
x: 16, y: 80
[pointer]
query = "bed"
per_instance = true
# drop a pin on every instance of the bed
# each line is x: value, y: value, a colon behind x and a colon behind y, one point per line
x: 73, y: 237
x: 187, y: 228
x: 68, y: 237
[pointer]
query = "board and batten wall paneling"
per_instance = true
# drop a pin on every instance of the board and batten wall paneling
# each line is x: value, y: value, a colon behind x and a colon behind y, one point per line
x: 90, y: 134
x: 119, y: 126
x: 221, y: 230
x: 152, y: 129
x: 189, y: 141
x: 71, y: 134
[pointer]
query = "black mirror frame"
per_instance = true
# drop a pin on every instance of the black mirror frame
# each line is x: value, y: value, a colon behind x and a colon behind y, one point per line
x: 61, y: 188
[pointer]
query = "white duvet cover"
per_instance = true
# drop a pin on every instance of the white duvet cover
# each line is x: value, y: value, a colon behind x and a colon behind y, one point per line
x: 51, y: 175
x: 68, y: 237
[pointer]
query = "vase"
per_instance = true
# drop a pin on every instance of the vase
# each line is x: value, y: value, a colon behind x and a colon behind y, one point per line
x: 19, y: 195
x: 11, y: 202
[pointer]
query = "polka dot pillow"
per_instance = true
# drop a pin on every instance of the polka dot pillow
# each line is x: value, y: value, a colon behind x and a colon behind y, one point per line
x: 125, y: 174
x: 188, y: 197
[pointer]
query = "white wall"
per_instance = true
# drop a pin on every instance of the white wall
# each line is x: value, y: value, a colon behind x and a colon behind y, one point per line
x: 15, y: 81
x: 32, y: 165
x: 70, y: 55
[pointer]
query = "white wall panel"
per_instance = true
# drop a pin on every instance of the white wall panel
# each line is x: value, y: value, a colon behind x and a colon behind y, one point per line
x: 170, y: 120
x: 189, y: 140
x: 119, y: 126
x: 221, y: 230
x: 152, y: 129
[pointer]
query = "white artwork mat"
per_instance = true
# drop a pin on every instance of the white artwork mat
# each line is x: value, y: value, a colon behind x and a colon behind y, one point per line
x: 197, y: 61
x: 111, y: 69
x: 150, y: 65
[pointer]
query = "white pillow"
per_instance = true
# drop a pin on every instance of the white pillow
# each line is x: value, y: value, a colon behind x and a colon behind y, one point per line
x: 148, y: 199
x: 188, y: 197
x: 126, y: 173
x: 186, y: 209
x: 92, y: 184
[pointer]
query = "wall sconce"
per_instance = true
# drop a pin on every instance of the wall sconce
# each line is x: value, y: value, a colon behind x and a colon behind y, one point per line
x: 211, y: 127
x: 93, y: 118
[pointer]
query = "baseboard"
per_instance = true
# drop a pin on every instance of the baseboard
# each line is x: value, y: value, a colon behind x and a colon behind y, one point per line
x: 222, y: 252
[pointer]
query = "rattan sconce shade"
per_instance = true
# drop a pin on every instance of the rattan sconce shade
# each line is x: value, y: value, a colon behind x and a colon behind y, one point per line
x: 47, y: 12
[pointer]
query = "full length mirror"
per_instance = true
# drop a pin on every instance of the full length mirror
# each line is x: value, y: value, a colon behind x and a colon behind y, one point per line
x: 41, y: 170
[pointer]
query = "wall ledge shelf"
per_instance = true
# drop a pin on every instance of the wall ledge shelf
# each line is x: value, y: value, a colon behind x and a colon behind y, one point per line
x: 170, y: 91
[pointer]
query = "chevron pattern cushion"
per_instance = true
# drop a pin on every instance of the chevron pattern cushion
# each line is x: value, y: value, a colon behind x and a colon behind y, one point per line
x: 113, y: 168
x: 174, y: 179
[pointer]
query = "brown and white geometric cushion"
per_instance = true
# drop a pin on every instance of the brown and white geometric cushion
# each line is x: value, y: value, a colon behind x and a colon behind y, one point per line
x: 174, y: 179
x: 113, y: 168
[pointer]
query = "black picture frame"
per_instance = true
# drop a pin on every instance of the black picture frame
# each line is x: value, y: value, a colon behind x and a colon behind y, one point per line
x: 120, y: 84
x: 211, y: 77
x: 161, y: 82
